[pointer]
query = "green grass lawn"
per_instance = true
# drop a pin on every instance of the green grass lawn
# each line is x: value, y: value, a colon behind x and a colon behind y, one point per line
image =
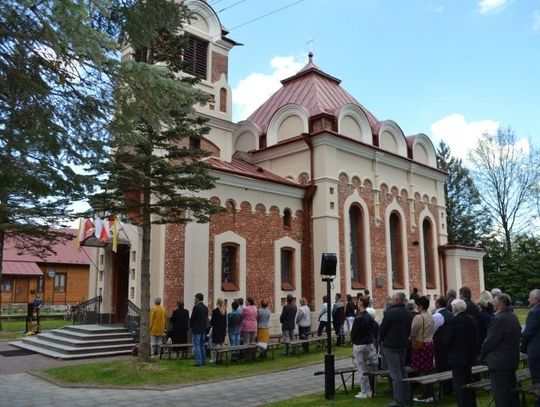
x: 522, y: 314
x: 13, y: 330
x: 179, y: 371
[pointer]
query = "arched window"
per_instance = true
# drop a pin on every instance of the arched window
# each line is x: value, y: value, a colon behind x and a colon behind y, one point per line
x: 396, y: 250
x: 429, y: 261
x: 287, y: 218
x: 223, y: 100
x: 287, y: 269
x: 229, y: 267
x: 357, y: 242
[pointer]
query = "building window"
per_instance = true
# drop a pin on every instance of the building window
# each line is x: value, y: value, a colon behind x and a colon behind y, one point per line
x: 60, y: 282
x: 194, y: 143
x: 396, y: 250
x: 357, y: 241
x: 223, y: 100
x: 287, y: 269
x: 40, y: 284
x: 133, y: 274
x: 196, y: 57
x: 229, y: 267
x: 101, y: 259
x: 133, y: 256
x: 429, y: 261
x: 132, y: 292
x: 287, y: 218
x: 7, y: 284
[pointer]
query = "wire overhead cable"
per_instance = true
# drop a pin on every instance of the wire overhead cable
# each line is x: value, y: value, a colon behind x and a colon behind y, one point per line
x: 231, y: 6
x: 266, y: 15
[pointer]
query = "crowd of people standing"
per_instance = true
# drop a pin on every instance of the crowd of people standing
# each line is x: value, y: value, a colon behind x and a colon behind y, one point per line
x: 455, y: 335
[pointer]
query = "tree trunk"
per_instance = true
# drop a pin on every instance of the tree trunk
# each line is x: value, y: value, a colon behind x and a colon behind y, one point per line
x: 2, y: 239
x: 144, y: 339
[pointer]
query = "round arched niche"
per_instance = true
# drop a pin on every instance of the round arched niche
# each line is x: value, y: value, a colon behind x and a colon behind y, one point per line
x: 289, y: 121
x: 353, y: 123
x: 423, y: 150
x: 391, y: 138
x: 204, y: 19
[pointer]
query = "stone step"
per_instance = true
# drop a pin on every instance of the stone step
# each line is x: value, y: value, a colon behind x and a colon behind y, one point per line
x: 67, y: 349
x: 86, y: 341
x: 80, y: 335
x: 59, y: 355
x: 95, y: 329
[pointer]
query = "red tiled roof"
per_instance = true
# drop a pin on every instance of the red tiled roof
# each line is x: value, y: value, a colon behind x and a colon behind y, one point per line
x: 312, y: 89
x: 21, y: 268
x: 244, y: 169
x: 66, y: 252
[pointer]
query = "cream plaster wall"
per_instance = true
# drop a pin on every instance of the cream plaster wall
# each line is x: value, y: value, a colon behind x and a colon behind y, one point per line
x: 292, y: 126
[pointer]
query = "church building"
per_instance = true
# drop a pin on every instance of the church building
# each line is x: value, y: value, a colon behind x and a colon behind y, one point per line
x: 310, y: 171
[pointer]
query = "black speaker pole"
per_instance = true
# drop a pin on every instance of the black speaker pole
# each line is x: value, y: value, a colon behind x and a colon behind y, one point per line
x: 329, y: 367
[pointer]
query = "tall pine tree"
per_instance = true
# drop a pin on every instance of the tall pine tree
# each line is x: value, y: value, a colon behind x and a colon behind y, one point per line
x: 154, y: 172
x: 466, y: 219
x: 56, y: 61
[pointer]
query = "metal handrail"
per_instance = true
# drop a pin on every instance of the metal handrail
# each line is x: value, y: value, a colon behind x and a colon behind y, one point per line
x: 87, y: 312
x: 132, y: 319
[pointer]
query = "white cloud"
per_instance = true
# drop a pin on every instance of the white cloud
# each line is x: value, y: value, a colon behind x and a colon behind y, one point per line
x: 487, y: 6
x: 536, y: 20
x: 255, y: 88
x: 460, y: 135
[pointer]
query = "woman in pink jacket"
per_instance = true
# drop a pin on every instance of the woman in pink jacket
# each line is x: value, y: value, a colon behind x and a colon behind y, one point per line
x: 249, y: 322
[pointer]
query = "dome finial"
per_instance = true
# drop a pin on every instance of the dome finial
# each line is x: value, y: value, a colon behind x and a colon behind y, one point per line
x: 310, y: 56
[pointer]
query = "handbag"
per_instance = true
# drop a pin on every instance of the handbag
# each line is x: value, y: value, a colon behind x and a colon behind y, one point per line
x: 418, y: 344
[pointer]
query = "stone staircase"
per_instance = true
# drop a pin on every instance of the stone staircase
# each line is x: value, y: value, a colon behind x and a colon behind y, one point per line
x: 80, y: 341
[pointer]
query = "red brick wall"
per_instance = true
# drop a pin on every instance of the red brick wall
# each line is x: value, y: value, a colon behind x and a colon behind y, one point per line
x: 174, y: 266
x: 346, y: 188
x: 261, y: 228
x: 220, y: 64
x: 470, y: 276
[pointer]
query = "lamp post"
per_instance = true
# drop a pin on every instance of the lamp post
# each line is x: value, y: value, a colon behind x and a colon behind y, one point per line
x: 328, y: 273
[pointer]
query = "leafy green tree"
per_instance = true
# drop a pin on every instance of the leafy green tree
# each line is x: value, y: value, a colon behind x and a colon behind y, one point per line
x: 155, y: 171
x: 507, y: 173
x: 466, y: 219
x: 517, y: 274
x: 55, y: 101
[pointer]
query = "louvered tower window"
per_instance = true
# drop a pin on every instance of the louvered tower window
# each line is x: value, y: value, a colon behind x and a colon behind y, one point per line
x: 196, y: 57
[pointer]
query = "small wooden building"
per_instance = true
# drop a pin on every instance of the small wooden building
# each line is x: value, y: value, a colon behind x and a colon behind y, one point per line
x: 61, y: 278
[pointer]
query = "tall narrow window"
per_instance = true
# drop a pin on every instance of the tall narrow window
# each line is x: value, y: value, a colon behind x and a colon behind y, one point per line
x: 60, y: 282
x: 287, y: 269
x: 229, y: 267
x: 396, y: 250
x: 194, y: 143
x: 287, y: 218
x: 357, y: 242
x: 196, y: 57
x: 7, y: 284
x: 40, y: 284
x: 223, y: 100
x: 429, y: 261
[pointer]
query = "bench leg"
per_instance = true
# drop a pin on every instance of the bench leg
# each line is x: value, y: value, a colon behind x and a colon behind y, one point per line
x: 343, y: 381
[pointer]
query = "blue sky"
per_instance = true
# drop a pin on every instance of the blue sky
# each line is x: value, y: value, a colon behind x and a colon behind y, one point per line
x: 451, y: 69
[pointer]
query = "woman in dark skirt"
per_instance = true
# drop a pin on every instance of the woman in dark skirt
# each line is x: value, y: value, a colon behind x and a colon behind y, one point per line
x: 219, y: 325
x: 179, y: 326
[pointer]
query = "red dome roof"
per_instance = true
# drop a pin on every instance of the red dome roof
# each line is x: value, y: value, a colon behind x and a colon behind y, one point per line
x: 311, y: 88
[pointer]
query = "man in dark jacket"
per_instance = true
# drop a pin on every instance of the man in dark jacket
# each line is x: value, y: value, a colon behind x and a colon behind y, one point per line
x: 288, y: 321
x: 394, y: 334
x: 501, y: 352
x: 338, y: 320
x: 198, y: 324
x: 459, y: 341
x: 530, y: 343
x: 440, y: 319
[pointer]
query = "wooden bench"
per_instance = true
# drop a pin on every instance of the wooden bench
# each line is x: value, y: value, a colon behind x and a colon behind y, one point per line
x: 485, y: 384
x: 531, y: 390
x: 346, y: 373
x: 439, y: 378
x: 183, y: 347
x: 227, y: 350
x: 297, y: 342
x: 383, y: 373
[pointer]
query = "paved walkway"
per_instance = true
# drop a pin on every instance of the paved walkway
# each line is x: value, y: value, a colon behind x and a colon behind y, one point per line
x: 22, y: 390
